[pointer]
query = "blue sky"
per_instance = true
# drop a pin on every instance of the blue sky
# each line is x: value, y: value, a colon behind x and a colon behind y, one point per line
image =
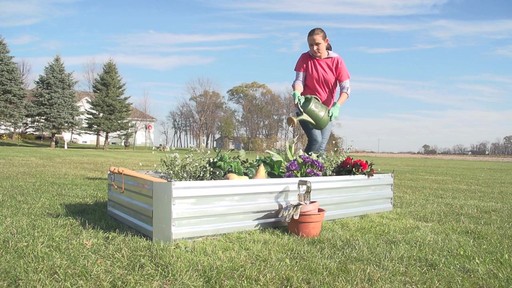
x: 430, y: 72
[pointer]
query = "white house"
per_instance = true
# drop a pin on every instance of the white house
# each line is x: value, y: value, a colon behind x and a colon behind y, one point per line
x: 142, y: 123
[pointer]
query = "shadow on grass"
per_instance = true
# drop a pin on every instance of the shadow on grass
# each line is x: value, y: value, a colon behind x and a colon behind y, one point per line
x: 96, y: 178
x: 25, y: 143
x: 94, y: 216
x: 60, y: 145
x: 281, y: 227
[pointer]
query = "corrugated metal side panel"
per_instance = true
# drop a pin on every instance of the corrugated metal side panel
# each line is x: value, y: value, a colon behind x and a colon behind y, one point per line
x: 140, y: 186
x: 201, y: 208
x: 127, y: 219
x: 354, y: 197
x: 130, y: 200
x: 162, y: 212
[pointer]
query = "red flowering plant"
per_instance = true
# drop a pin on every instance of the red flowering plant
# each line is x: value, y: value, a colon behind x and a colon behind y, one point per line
x: 351, y: 166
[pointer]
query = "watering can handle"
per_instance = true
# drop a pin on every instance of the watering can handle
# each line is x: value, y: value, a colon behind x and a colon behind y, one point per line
x: 313, y: 96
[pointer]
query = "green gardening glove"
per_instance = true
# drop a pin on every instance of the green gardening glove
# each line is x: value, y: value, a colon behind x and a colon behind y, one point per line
x: 297, y: 98
x: 334, y: 112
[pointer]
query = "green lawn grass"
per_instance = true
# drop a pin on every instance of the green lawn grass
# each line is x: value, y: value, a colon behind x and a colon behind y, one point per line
x: 451, y: 226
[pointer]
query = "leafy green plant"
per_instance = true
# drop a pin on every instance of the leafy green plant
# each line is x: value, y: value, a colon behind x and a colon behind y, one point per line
x: 196, y: 165
x: 224, y: 163
x: 275, y: 162
x: 274, y: 166
x: 287, y: 155
x: 189, y: 167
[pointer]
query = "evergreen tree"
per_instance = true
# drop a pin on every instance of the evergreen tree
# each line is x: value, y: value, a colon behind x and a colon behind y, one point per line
x: 110, y: 109
x: 12, y: 94
x: 55, y: 101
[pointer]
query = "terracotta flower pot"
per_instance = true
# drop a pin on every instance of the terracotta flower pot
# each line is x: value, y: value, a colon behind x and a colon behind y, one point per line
x: 311, y: 208
x: 307, y: 225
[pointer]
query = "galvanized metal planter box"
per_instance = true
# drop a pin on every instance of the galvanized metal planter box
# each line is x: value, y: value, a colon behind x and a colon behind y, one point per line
x: 167, y: 211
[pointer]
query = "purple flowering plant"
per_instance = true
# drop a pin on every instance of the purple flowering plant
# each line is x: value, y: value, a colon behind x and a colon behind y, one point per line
x: 304, y: 166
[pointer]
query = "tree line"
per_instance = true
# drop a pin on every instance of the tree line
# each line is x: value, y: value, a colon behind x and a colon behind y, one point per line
x: 51, y: 106
x: 251, y: 116
x: 498, y: 147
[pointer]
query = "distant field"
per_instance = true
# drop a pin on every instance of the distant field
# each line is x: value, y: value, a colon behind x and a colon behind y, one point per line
x: 506, y: 158
x: 450, y: 227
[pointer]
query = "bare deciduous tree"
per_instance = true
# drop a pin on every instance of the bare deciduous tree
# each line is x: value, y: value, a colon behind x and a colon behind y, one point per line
x: 142, y: 122
x: 165, y: 131
x: 90, y: 71
x: 25, y: 69
x: 208, y: 108
x: 181, y: 119
x: 459, y: 149
x: 481, y: 148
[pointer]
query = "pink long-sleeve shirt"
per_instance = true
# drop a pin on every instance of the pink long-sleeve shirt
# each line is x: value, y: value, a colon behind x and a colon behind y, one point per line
x: 321, y: 77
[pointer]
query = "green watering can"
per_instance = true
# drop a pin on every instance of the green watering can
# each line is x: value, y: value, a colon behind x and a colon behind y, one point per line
x: 313, y: 111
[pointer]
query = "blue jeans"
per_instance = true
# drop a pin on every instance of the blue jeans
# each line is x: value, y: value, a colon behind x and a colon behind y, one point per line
x: 317, y: 139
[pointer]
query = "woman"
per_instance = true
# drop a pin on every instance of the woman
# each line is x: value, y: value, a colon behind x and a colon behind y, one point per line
x: 320, y: 72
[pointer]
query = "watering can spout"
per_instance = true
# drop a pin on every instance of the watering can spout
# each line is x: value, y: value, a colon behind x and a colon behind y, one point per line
x: 293, y: 121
